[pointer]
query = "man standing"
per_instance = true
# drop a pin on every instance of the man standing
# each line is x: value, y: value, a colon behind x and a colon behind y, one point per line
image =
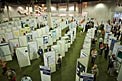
x: 40, y: 52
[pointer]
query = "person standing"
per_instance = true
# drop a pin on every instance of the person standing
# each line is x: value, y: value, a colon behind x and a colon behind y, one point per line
x: 40, y: 52
x: 100, y: 41
x: 4, y: 66
x: 59, y: 60
x: 106, y: 50
x: 93, y: 56
x: 101, y: 48
x: 11, y: 74
x: 95, y: 71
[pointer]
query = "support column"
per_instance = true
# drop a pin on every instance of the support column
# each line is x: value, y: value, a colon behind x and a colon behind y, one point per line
x: 57, y: 6
x: 80, y: 7
x: 74, y: 9
x: 8, y: 12
x: 33, y: 10
x: 49, y: 20
x: 67, y: 7
x: 1, y: 17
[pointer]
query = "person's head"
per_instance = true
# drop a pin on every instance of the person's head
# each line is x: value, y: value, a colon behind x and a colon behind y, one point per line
x: 39, y: 47
x: 59, y: 55
x: 95, y: 66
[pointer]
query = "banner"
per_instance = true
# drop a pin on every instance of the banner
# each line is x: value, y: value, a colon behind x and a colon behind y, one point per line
x: 45, y: 73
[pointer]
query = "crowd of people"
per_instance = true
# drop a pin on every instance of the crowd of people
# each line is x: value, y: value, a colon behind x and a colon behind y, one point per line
x: 103, y: 47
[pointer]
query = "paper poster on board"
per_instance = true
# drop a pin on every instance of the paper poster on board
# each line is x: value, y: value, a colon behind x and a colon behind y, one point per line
x: 29, y: 37
x: 14, y: 43
x: 23, y: 56
x: 45, y: 73
x: 32, y: 46
x: 23, y: 41
x: 5, y: 53
x: 45, y: 39
x: 16, y: 33
x: 9, y: 35
x: 39, y: 42
x: 49, y: 60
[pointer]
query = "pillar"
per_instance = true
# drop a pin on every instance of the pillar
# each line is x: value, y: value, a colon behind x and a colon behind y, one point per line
x: 8, y: 11
x: 32, y: 4
x: 49, y: 21
x: 1, y: 17
x: 80, y: 7
x: 67, y: 5
x: 74, y: 9
x: 57, y: 6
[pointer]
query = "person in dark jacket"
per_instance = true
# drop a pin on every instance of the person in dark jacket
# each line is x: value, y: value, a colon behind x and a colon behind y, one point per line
x: 106, y: 50
x: 40, y: 52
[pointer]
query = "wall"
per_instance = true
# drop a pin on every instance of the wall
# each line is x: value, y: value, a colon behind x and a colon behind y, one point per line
x: 101, y: 11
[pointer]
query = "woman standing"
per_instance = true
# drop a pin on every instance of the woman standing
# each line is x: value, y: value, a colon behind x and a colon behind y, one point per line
x: 106, y: 50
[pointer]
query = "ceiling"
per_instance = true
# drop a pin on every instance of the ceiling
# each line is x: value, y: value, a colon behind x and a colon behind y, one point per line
x: 29, y: 2
x: 42, y: 1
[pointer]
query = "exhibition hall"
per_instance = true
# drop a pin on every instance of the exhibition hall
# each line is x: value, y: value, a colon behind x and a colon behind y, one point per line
x: 60, y: 40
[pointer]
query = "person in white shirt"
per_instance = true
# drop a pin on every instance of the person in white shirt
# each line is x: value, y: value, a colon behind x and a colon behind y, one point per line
x: 100, y: 41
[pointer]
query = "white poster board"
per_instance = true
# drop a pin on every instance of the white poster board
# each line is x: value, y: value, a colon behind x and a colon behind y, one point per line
x: 5, y: 53
x: 14, y: 43
x: 49, y: 60
x: 116, y: 47
x: 62, y: 46
x: 16, y: 33
x: 39, y: 32
x: 39, y: 42
x: 23, y: 41
x: 32, y: 46
x: 9, y: 35
x: 45, y: 73
x: 56, y: 48
x: 54, y: 35
x: 23, y: 56
x: 34, y: 35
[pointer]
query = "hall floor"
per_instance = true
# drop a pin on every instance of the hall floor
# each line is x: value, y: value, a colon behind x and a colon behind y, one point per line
x: 68, y: 69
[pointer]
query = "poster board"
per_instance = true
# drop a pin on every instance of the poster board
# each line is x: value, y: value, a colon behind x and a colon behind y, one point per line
x: 49, y: 60
x: 62, y: 46
x: 29, y: 37
x: 14, y: 43
x: 39, y: 42
x: 16, y: 33
x: 23, y: 41
x: 56, y: 48
x: 34, y: 35
x: 39, y: 32
x: 81, y: 68
x: 5, y: 53
x: 54, y: 35
x: 45, y: 41
x: 8, y: 36
x: 32, y: 46
x: 23, y: 56
x: 45, y: 73
x: 2, y: 36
